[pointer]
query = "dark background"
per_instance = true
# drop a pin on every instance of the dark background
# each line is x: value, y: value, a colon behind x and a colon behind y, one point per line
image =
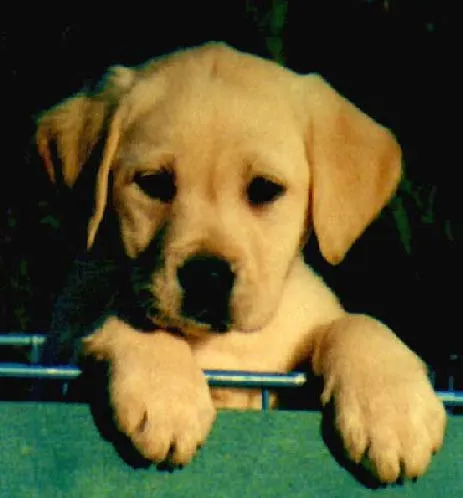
x: 397, y: 60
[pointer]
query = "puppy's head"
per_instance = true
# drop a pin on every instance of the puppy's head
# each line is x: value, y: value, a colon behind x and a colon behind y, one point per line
x: 220, y: 165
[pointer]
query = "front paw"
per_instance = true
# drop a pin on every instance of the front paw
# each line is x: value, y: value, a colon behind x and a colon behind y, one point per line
x: 166, y: 417
x: 392, y: 426
x: 159, y: 395
x: 386, y: 411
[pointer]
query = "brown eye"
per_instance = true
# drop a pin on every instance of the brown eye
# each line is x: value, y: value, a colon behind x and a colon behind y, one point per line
x: 263, y: 191
x: 159, y: 185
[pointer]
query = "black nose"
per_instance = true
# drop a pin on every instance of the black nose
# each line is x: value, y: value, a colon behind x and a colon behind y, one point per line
x: 207, y: 282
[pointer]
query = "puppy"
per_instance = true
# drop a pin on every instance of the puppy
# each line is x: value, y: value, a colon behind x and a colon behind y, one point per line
x: 217, y: 165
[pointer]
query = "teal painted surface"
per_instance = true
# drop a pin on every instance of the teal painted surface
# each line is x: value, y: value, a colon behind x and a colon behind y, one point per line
x: 55, y: 450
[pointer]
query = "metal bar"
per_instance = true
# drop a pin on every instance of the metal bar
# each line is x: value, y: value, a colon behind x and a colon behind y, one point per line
x: 22, y: 339
x: 36, y: 348
x: 25, y: 371
x: 214, y: 377
x: 451, y: 398
x: 254, y: 379
x: 265, y: 399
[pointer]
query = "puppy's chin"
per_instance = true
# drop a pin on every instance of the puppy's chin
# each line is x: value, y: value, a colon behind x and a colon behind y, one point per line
x: 192, y: 328
x: 184, y: 326
x: 254, y: 325
x: 250, y: 315
x: 245, y: 324
x: 199, y: 330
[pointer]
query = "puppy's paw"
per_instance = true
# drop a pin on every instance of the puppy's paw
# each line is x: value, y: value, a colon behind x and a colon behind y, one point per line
x: 159, y: 395
x: 386, y: 411
x: 391, y: 425
x: 167, y: 415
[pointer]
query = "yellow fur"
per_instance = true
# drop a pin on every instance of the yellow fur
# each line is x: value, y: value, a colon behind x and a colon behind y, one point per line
x: 217, y: 118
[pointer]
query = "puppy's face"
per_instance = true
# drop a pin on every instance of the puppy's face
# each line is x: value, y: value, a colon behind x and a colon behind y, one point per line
x: 220, y: 161
x: 211, y: 190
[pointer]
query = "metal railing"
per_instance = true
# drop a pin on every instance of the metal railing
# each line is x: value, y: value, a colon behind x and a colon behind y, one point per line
x: 266, y: 381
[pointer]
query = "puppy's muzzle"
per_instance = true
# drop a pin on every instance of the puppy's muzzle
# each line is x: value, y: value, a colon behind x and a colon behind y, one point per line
x: 207, y: 282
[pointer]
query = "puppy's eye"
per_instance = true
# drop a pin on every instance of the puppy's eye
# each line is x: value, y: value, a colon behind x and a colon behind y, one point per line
x: 263, y: 191
x: 159, y: 185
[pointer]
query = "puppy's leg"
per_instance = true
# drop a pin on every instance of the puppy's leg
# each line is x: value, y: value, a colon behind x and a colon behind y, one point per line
x: 386, y: 411
x: 160, y: 396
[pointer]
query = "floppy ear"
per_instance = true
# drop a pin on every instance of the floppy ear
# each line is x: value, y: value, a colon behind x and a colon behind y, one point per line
x: 68, y: 133
x: 356, y: 166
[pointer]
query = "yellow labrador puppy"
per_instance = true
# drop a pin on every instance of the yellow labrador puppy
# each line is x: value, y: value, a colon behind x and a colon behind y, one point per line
x: 218, y: 165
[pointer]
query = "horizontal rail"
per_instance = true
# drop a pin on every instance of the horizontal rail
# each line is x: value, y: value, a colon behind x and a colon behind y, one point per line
x: 26, y: 371
x: 22, y: 339
x: 216, y: 378
x: 451, y: 398
x: 65, y: 372
x: 223, y: 378
x: 229, y: 378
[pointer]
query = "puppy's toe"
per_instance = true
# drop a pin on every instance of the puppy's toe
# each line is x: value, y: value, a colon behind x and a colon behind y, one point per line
x: 153, y: 445
x: 184, y: 448
x: 383, y: 458
x: 130, y: 412
x: 164, y: 442
x: 423, y: 436
x: 416, y: 458
x: 437, y: 424
x: 350, y: 424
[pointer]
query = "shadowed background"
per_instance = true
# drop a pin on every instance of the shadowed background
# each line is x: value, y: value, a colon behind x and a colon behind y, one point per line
x: 396, y: 60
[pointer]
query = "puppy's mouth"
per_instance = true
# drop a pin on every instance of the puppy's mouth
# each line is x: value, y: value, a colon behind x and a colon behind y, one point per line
x: 214, y: 316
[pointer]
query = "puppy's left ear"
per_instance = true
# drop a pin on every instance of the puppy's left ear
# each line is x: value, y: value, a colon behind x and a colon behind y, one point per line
x: 356, y: 166
x: 68, y: 133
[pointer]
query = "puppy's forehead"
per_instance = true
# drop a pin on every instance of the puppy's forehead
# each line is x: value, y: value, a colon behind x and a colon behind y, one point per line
x: 218, y: 104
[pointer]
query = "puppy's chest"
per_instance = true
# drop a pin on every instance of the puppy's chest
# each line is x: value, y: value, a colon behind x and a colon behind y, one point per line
x: 258, y: 351
x: 237, y: 351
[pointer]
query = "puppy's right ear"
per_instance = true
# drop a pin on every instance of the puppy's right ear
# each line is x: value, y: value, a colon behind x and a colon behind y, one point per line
x: 68, y: 133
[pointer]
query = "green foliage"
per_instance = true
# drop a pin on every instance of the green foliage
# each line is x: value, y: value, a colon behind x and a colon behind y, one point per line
x: 270, y: 18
